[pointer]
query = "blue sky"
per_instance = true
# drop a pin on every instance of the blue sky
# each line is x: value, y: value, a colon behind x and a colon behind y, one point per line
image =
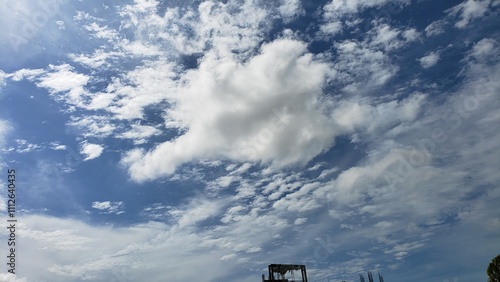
x: 204, y: 140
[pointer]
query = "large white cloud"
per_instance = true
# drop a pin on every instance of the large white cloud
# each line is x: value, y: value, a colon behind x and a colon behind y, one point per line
x: 270, y: 110
x: 265, y: 110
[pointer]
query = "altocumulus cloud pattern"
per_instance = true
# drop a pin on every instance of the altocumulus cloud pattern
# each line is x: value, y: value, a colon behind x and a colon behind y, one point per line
x: 203, y: 140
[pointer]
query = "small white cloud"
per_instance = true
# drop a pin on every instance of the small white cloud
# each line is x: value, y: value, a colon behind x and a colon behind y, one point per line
x: 91, y: 151
x: 383, y: 224
x: 140, y: 133
x: 300, y: 220
x: 315, y: 167
x: 94, y: 126
x: 57, y: 146
x: 242, y: 169
x: 468, y: 11
x: 95, y: 60
x: 391, y: 38
x: 23, y: 146
x: 109, y: 207
x: 385, y: 35
x: 485, y: 48
x: 21, y: 74
x: 435, y: 28
x: 253, y: 250
x: 228, y: 257
x: 61, y: 81
x: 429, y: 60
x: 331, y: 28
x: 225, y: 181
x: 411, y: 35
x: 103, y: 32
x: 327, y: 172
x: 289, y: 9
x: 101, y: 205
x: 62, y: 78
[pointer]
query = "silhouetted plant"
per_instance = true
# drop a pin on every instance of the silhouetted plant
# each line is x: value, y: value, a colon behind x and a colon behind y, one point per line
x: 493, y: 270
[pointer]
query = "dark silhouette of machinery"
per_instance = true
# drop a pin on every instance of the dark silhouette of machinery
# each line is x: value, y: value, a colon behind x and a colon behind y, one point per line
x: 370, y: 277
x: 286, y: 273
